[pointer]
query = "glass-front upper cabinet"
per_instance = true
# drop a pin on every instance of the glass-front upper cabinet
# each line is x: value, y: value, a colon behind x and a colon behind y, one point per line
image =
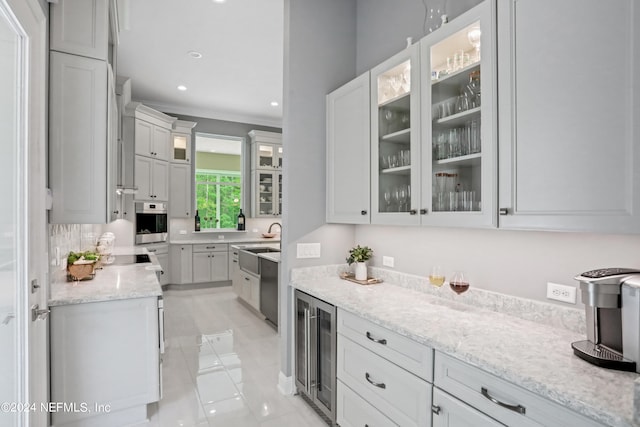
x: 395, y: 132
x: 181, y: 141
x: 268, y: 193
x: 268, y: 156
x: 459, y: 122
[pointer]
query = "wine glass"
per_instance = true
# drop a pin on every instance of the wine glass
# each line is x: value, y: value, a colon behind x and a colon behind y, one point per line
x: 387, y: 199
x: 459, y: 283
x: 436, y: 278
x: 474, y: 36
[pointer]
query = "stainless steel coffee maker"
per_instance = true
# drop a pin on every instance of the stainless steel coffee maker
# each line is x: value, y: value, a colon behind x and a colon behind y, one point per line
x: 612, y: 303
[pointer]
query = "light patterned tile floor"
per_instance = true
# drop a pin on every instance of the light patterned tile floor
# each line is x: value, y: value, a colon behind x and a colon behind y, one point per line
x: 221, y: 367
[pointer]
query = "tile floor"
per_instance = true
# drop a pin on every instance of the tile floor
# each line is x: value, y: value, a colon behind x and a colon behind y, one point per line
x: 221, y: 366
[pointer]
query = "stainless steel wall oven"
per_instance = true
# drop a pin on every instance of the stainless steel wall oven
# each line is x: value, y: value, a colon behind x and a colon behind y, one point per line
x: 151, y: 222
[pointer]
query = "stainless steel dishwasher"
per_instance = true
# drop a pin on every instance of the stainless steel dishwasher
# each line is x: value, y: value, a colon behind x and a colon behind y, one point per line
x: 269, y: 290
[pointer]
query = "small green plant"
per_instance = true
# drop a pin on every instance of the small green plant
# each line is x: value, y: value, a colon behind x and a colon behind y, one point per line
x: 359, y: 254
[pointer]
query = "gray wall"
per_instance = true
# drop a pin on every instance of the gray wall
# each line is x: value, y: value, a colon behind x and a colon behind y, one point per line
x: 319, y: 55
x: 383, y: 26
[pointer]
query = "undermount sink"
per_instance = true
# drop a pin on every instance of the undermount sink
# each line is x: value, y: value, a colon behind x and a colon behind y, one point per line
x: 248, y: 258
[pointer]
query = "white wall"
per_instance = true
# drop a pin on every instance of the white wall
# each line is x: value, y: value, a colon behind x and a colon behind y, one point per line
x: 518, y: 263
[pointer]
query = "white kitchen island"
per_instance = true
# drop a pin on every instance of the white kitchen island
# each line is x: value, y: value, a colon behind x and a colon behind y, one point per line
x: 106, y: 336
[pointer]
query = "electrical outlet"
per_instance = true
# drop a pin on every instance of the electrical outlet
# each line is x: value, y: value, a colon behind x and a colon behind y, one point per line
x: 387, y: 261
x: 183, y: 232
x: 561, y: 293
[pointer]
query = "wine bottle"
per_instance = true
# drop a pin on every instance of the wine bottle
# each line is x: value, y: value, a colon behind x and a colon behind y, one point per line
x: 241, y: 221
x: 197, y: 221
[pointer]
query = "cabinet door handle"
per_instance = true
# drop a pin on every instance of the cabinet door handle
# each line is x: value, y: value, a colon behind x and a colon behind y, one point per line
x: 435, y: 409
x: 504, y: 211
x: 211, y: 247
x: 152, y: 250
x: 246, y: 278
x: 379, y: 385
x: 413, y: 212
x: 515, y: 408
x: 235, y: 260
x: 363, y: 212
x: 376, y: 340
x: 423, y: 211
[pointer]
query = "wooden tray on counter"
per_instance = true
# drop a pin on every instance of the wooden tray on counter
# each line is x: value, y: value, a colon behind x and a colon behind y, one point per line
x: 352, y: 278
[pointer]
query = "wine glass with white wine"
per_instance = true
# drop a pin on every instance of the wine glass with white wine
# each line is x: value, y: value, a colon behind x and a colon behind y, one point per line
x: 436, y: 277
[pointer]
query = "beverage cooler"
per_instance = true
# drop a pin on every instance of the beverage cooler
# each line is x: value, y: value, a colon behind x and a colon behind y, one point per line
x: 315, y: 340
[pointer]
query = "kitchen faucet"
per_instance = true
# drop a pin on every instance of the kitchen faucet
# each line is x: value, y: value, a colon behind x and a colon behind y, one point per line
x: 279, y: 241
x: 275, y: 223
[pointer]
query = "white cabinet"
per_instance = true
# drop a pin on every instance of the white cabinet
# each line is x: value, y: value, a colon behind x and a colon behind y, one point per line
x: 266, y: 148
x: 250, y: 289
x: 497, y: 398
x: 353, y: 411
x: 105, y: 353
x: 152, y: 140
x: 450, y: 412
x: 146, y: 134
x: 180, y: 202
x: 395, y: 139
x: 181, y: 138
x: 81, y: 141
x: 348, y: 147
x: 181, y: 264
x: 266, y: 174
x: 267, y: 193
x: 569, y: 157
x: 210, y: 263
x: 459, y: 179
x: 152, y: 179
x: 389, y: 372
x: 234, y: 271
x: 81, y: 27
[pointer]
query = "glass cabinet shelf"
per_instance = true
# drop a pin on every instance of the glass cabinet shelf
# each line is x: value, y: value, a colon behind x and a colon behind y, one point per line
x: 458, y: 118
x: 400, y: 170
x: 461, y: 161
x: 402, y: 136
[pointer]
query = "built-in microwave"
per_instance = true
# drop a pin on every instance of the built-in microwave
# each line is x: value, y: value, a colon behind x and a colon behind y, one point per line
x: 151, y: 222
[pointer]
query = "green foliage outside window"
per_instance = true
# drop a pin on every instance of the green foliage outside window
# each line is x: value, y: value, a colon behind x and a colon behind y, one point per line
x: 218, y: 198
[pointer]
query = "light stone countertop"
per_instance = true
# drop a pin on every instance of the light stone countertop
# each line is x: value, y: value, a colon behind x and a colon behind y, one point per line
x: 532, y: 355
x: 112, y: 282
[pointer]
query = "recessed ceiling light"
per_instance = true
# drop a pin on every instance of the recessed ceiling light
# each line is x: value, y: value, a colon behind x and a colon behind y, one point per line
x: 194, y: 54
x: 182, y: 87
x: 274, y: 103
x: 220, y: 1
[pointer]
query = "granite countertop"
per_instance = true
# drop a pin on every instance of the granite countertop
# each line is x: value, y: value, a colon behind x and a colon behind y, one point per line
x: 112, y: 282
x: 532, y: 355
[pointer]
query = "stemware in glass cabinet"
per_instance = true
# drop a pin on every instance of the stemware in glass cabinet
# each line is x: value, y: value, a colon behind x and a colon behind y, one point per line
x: 394, y: 138
x: 456, y: 120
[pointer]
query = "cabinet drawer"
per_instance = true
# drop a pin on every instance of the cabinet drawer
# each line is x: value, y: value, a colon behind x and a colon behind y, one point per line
x: 211, y: 247
x: 525, y: 408
x: 354, y: 411
x: 404, y: 352
x: 400, y: 395
x: 449, y: 411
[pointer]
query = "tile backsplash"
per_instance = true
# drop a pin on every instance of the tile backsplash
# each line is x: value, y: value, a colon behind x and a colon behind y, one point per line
x: 64, y: 238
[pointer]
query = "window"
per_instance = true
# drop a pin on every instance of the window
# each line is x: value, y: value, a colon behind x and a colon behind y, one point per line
x: 218, y: 180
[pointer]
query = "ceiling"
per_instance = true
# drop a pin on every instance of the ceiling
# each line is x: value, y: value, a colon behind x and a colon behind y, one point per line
x: 239, y: 74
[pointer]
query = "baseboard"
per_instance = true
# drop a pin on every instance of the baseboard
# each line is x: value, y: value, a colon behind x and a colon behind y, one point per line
x: 285, y: 384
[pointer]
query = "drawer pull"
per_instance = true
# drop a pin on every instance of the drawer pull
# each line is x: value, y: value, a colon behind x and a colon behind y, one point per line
x: 211, y: 247
x: 515, y: 408
x: 435, y: 409
x: 376, y: 340
x: 379, y: 385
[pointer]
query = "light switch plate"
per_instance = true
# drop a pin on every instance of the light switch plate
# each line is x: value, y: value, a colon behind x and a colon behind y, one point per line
x: 308, y: 250
x: 388, y: 261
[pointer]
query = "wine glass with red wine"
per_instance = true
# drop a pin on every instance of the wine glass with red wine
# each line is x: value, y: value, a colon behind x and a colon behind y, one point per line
x: 459, y: 283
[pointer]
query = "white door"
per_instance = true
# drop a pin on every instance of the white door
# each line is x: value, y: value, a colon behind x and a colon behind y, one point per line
x: 23, y: 249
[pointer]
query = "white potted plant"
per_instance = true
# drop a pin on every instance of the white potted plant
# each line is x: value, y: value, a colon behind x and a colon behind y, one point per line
x: 360, y: 255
